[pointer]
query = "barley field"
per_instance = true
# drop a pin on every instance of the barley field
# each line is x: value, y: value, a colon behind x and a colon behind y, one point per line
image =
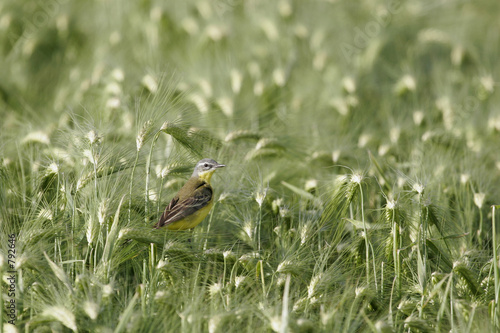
x: 362, y: 149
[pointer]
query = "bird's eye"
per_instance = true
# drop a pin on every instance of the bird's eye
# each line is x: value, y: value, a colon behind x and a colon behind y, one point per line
x: 205, y: 165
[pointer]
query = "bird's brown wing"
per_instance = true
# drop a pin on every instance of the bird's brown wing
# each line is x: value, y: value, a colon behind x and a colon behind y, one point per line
x: 177, y: 210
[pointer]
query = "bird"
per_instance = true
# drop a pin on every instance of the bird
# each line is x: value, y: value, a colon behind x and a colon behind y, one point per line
x: 193, y: 201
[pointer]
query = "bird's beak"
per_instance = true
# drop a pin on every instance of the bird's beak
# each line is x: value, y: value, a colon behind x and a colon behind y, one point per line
x: 220, y: 166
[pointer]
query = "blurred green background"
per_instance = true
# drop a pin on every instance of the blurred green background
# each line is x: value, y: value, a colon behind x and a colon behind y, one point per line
x: 362, y: 145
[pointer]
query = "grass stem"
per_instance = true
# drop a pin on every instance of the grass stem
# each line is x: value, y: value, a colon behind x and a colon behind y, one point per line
x: 365, y: 231
x: 148, y: 172
x: 132, y: 185
x: 496, y: 311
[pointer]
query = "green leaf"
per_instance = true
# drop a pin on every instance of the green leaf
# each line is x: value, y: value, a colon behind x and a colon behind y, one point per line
x: 441, y: 255
x: 111, y: 239
x: 126, y: 315
x: 59, y: 273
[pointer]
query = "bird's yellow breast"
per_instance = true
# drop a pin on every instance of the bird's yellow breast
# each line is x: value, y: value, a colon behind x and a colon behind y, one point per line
x: 192, y: 220
x: 206, y: 176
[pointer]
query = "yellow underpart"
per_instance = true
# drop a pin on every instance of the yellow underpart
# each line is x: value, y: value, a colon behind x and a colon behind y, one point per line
x: 206, y: 176
x: 192, y: 220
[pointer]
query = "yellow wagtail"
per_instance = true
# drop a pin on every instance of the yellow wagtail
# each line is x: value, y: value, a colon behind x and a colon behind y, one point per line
x: 193, y: 201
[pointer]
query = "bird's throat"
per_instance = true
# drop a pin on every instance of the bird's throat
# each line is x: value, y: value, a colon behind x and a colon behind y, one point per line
x: 206, y: 176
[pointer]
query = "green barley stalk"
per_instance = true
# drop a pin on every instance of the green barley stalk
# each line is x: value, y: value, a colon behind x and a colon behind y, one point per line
x: 209, y: 225
x: 73, y: 225
x: 392, y: 320
x: 2, y: 265
x: 452, y: 303
x: 395, y: 250
x: 148, y: 172
x: 496, y: 312
x: 260, y: 196
x: 140, y: 140
x: 478, y: 200
x: 126, y: 315
x: 57, y: 191
x: 422, y: 247
x: 447, y: 293
x: 356, y: 178
x: 381, y: 277
x: 143, y: 285
x: 132, y: 185
x: 94, y: 165
x: 367, y: 247
x: 111, y: 242
x: 262, y: 280
x: 285, y: 310
x: 160, y: 190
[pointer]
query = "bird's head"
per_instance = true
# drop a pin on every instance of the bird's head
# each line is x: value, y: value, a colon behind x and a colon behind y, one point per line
x: 205, y: 168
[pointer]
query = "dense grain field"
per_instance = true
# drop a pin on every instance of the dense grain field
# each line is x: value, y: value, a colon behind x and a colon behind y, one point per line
x: 362, y: 144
